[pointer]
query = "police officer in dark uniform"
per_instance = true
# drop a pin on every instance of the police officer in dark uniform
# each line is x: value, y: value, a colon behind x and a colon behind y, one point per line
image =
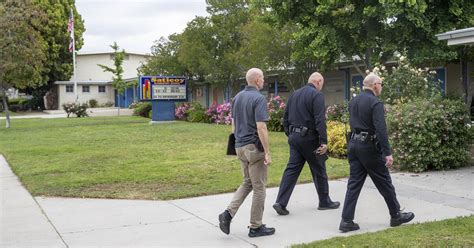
x: 369, y: 153
x: 305, y: 125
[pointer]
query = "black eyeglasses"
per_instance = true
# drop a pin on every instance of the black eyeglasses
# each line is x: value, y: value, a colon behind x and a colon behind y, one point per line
x: 381, y: 84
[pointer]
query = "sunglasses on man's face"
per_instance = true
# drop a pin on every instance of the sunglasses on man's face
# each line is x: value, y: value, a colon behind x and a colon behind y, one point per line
x: 381, y: 84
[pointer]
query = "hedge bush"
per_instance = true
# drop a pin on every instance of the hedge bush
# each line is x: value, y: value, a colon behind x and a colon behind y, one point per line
x: 80, y: 110
x: 180, y: 111
x: 276, y: 110
x: 338, y: 112
x: 405, y: 82
x: 93, y: 103
x: 141, y: 108
x: 429, y: 134
x: 197, y: 113
x: 337, y: 144
x: 20, y: 104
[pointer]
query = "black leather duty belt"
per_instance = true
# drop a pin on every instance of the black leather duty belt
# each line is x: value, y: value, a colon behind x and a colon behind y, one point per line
x: 363, y: 136
x: 301, y: 129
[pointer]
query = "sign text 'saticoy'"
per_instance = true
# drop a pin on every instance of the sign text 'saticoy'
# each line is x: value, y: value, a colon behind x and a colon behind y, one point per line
x: 166, y: 80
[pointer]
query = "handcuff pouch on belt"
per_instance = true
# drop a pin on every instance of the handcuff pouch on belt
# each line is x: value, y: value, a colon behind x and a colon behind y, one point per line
x: 366, y: 137
x: 302, y: 130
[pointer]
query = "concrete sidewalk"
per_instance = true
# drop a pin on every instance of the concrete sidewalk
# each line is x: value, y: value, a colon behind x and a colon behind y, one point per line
x: 62, y: 222
x: 47, y: 114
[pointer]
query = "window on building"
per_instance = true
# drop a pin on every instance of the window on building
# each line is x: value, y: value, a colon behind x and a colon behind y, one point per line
x: 85, y: 88
x: 101, y: 88
x: 69, y: 88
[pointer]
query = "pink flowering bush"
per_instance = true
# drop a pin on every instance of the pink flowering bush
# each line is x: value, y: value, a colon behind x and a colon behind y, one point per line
x: 220, y: 114
x: 192, y: 112
x: 180, y: 111
x: 428, y: 134
x: 337, y: 112
x: 276, y: 109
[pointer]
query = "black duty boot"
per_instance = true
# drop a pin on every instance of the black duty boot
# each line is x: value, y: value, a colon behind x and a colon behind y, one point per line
x: 401, y: 218
x: 329, y: 205
x: 261, y: 231
x: 224, y: 221
x: 280, y: 209
x: 347, y: 226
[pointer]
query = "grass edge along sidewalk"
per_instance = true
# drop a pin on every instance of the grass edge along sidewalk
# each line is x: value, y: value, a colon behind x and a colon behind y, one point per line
x: 456, y: 232
x: 127, y: 158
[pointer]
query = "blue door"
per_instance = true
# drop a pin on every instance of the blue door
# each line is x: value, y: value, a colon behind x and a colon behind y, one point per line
x: 125, y: 99
x: 129, y: 96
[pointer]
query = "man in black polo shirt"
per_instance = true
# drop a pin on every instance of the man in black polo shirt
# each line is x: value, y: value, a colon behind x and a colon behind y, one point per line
x: 249, y: 117
x: 369, y: 153
x: 305, y: 124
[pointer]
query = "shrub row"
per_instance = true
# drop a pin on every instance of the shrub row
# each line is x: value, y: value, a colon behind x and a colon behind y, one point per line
x: 77, y: 109
x: 429, y: 134
x: 142, y: 109
x: 20, y: 104
x: 221, y: 114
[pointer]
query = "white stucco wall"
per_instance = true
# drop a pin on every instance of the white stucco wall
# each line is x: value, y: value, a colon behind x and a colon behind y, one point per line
x: 68, y: 97
x: 87, y: 68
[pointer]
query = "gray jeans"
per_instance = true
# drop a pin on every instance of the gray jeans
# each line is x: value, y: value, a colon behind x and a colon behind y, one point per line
x: 255, y: 178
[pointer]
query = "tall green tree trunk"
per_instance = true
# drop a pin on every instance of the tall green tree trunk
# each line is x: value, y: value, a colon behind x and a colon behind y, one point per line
x: 5, y: 105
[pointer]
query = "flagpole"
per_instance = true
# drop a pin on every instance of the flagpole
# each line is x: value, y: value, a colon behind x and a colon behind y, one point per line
x: 74, y: 60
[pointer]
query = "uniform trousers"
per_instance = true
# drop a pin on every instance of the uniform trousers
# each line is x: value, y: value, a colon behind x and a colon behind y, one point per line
x: 301, y: 151
x: 365, y: 159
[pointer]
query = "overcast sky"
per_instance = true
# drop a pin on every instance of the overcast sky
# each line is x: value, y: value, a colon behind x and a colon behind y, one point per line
x: 134, y: 24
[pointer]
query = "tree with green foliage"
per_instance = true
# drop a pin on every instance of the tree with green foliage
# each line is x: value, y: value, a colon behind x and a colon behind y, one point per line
x: 164, y: 59
x: 58, y: 65
x: 117, y: 79
x: 227, y: 18
x: 207, y: 49
x: 197, y: 50
x: 270, y: 47
x: 372, y: 30
x: 23, y: 51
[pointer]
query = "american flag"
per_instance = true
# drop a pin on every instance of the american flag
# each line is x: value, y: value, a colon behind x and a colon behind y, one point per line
x: 70, y: 29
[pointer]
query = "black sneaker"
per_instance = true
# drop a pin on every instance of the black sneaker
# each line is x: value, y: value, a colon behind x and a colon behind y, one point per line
x: 280, y: 209
x: 348, y: 226
x: 224, y: 222
x: 401, y: 218
x: 261, y: 231
x: 330, y: 205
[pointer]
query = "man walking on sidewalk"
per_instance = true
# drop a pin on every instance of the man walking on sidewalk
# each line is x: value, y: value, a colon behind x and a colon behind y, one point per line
x: 305, y: 125
x: 249, y: 117
x: 369, y: 153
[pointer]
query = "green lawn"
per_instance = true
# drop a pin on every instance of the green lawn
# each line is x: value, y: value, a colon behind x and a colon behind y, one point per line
x: 126, y: 157
x: 457, y: 232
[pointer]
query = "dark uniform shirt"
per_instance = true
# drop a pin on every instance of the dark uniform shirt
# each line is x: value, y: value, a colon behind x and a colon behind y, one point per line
x: 249, y: 107
x: 306, y: 108
x: 367, y: 115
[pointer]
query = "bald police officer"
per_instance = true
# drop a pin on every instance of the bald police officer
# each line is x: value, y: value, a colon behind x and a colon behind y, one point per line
x: 369, y: 153
x: 249, y: 112
x: 305, y: 124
